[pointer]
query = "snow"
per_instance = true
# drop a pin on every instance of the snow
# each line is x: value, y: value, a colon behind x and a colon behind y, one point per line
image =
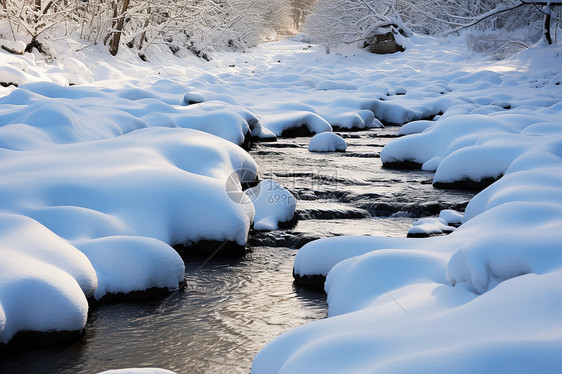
x: 44, y: 280
x: 327, y: 142
x: 415, y: 127
x: 273, y: 204
x: 17, y: 46
x: 279, y: 122
x: 485, y: 297
x: 430, y: 226
x: 49, y: 113
x: 11, y: 75
x: 137, y: 371
x: 123, y: 200
x: 451, y: 217
x: 141, y: 263
x: 108, y: 180
x: 137, y: 158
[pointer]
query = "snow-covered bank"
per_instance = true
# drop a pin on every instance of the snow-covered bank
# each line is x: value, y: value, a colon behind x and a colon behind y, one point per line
x: 486, y: 298
x: 98, y: 184
x: 121, y: 202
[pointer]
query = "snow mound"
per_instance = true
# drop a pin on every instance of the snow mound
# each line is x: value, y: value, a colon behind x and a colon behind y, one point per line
x: 40, y: 114
x: 320, y: 256
x: 475, y: 147
x: 484, y: 298
x: 273, y: 205
x: 167, y: 184
x: 140, y: 263
x: 361, y: 119
x: 415, y: 127
x: 44, y: 281
x: 137, y: 371
x: 327, y: 142
x: 429, y: 226
x: 278, y: 123
x: 113, y: 207
x: 451, y: 217
x: 9, y: 75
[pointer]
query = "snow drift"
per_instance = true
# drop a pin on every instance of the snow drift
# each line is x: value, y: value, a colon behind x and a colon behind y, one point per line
x: 487, y: 296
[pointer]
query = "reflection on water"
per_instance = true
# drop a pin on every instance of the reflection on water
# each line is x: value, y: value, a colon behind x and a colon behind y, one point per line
x: 232, y: 308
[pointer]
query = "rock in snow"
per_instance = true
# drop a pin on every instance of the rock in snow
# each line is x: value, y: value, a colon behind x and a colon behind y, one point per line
x: 327, y: 142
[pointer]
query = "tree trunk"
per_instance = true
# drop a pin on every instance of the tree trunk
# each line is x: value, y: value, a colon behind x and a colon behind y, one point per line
x: 114, y: 43
x: 547, y: 17
x: 143, y: 35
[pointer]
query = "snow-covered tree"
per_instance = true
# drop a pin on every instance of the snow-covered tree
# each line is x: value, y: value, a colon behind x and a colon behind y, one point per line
x: 300, y: 9
x: 32, y: 18
x: 348, y: 21
x: 200, y: 25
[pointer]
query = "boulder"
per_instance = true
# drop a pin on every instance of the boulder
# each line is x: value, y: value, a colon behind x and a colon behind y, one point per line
x: 384, y: 40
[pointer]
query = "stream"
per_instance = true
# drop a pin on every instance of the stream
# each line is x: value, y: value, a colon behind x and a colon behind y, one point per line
x: 231, y: 308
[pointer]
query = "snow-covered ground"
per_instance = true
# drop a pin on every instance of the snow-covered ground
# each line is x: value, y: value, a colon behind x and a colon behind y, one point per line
x: 486, y: 298
x: 98, y: 180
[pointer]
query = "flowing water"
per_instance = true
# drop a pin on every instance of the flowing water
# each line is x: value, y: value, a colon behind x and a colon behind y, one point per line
x: 233, y: 307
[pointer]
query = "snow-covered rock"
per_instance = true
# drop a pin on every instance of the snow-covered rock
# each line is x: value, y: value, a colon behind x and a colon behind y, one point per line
x: 40, y: 114
x: 10, y: 75
x: 415, y: 127
x: 125, y: 264
x: 293, y: 120
x: 273, y: 205
x: 103, y: 215
x: 429, y: 226
x: 15, y: 46
x: 138, y: 371
x: 44, y: 280
x: 327, y: 142
x: 452, y: 217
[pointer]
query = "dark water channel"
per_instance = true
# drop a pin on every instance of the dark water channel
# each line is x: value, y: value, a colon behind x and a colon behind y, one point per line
x: 233, y: 307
